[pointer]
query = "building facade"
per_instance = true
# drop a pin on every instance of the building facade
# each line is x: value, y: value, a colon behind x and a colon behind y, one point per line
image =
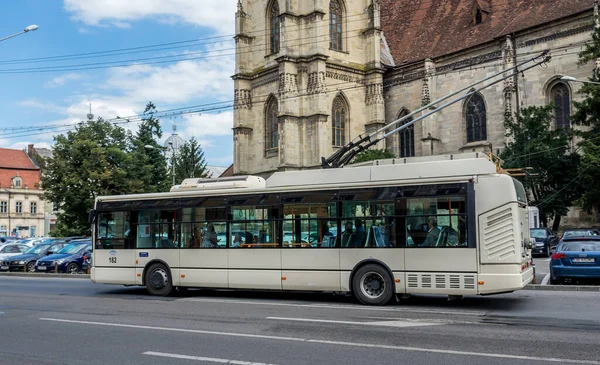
x: 312, y: 76
x: 22, y: 207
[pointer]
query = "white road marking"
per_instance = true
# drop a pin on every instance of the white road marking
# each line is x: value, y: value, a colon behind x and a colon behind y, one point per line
x: 396, y: 323
x: 263, y: 303
x: 453, y: 352
x: 339, y: 343
x: 174, y: 329
x: 202, y: 358
x: 546, y: 279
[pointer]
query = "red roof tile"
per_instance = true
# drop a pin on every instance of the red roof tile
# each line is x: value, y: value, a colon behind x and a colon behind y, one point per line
x: 29, y: 178
x: 15, y: 159
x: 419, y: 29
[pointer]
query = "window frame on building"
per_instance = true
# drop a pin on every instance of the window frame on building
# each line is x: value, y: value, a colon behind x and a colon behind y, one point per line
x: 3, y: 206
x: 19, y: 207
x: 476, y: 118
x: 339, y: 121
x: 274, y: 27
x: 562, y: 110
x: 336, y: 25
x: 271, y: 124
x: 406, y: 137
x: 33, y: 207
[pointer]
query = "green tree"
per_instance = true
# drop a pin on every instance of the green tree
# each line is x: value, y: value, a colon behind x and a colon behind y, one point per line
x: 587, y: 113
x: 536, y: 145
x: 91, y: 161
x: 371, y: 155
x: 189, y: 162
x: 149, y: 165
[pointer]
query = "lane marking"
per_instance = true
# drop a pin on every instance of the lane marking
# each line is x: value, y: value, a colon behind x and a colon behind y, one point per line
x: 545, y: 279
x: 169, y: 329
x: 347, y: 307
x: 339, y: 343
x: 396, y: 323
x: 202, y: 358
x: 453, y: 352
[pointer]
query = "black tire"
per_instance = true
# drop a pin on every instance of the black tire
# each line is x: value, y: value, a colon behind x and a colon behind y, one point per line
x: 31, y: 266
x: 72, y: 268
x: 158, y: 280
x: 373, y: 285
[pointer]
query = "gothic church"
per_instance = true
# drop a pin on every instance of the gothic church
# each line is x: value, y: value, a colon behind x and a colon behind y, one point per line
x: 312, y: 75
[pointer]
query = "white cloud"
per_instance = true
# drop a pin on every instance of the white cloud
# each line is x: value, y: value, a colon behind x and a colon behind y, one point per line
x: 46, y: 106
x: 215, y: 14
x: 200, y: 126
x: 63, y: 79
x: 176, y: 83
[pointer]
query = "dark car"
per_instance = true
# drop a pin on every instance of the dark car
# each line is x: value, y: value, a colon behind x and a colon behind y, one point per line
x: 545, y: 241
x: 576, y: 259
x: 68, y: 260
x: 29, y: 257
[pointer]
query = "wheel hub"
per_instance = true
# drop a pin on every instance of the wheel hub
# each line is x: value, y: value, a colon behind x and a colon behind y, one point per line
x: 372, y: 285
x: 158, y: 279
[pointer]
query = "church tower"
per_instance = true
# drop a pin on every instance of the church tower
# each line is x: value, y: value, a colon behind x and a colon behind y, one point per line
x: 308, y: 79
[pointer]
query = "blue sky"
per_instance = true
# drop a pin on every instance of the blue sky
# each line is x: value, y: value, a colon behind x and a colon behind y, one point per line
x: 29, y: 98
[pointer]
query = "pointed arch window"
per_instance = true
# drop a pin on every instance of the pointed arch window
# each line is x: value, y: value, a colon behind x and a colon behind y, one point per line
x: 561, y: 97
x: 271, y: 125
x: 406, y: 137
x: 476, y: 119
x: 335, y: 25
x: 339, y: 122
x: 274, y: 27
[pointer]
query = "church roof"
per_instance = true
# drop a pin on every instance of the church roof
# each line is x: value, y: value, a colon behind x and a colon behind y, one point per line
x: 420, y: 29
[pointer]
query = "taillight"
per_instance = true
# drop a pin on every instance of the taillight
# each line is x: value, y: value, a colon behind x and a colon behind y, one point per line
x: 84, y: 257
x: 558, y: 256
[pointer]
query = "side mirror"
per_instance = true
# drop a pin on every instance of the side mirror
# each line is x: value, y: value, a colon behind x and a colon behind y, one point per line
x: 92, y: 216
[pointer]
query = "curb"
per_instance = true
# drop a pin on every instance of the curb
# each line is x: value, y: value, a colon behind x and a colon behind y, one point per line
x: 46, y: 275
x: 587, y: 288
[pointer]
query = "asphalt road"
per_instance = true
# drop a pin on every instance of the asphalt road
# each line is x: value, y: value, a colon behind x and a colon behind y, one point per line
x: 73, y: 321
x: 542, y: 269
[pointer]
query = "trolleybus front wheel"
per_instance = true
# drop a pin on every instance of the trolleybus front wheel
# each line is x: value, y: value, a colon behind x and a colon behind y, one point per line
x: 158, y: 280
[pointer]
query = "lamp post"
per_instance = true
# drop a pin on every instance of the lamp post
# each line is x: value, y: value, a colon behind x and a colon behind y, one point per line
x: 30, y: 28
x: 572, y: 79
x: 164, y: 149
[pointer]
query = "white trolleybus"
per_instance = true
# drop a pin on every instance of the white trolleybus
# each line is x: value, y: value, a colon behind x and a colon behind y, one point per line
x: 449, y: 225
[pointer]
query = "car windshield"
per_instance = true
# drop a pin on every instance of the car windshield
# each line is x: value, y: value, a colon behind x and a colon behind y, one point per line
x: 581, y: 232
x: 37, y: 249
x: 538, y: 233
x: 581, y: 246
x: 72, y: 248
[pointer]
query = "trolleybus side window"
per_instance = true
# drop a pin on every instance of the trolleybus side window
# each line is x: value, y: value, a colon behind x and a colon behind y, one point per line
x: 204, y: 228
x: 254, y: 227
x: 437, y: 222
x: 113, y: 230
x: 157, y: 229
x: 310, y: 225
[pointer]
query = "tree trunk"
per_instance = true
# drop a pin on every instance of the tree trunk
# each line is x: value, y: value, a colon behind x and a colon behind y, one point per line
x: 556, y: 223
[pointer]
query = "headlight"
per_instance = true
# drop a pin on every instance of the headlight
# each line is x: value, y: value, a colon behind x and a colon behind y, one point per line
x: 21, y: 262
x: 59, y: 262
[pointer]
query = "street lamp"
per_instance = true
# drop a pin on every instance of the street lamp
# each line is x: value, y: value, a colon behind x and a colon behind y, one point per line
x: 572, y: 79
x: 165, y: 149
x: 30, y: 28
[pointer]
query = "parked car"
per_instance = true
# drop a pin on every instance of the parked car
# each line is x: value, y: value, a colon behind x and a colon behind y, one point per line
x: 68, y: 260
x: 29, y: 257
x: 576, y: 259
x: 545, y: 241
x: 578, y: 232
x: 11, y: 249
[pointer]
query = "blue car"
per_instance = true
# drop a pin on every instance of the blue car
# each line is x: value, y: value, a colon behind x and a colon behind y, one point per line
x: 68, y: 260
x: 26, y: 261
x: 576, y: 259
